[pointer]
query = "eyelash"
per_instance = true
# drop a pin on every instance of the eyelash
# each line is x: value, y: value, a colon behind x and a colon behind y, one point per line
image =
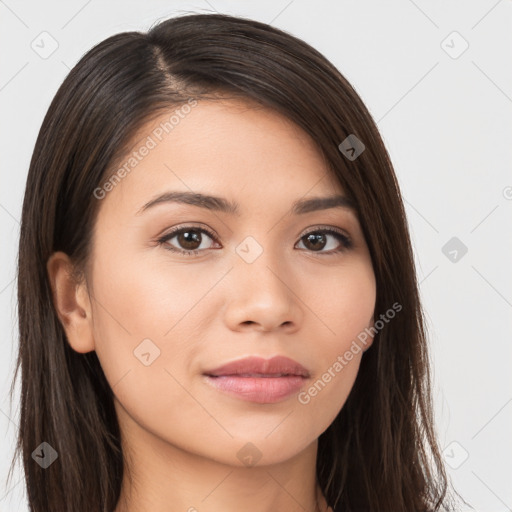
x: 346, y: 242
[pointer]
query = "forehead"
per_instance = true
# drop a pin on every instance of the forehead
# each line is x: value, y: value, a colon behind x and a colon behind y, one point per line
x: 231, y: 148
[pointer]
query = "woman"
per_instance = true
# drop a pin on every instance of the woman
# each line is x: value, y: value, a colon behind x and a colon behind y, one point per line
x: 218, y: 305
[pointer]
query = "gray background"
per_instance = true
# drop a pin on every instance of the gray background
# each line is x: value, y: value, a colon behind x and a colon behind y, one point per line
x: 445, y: 115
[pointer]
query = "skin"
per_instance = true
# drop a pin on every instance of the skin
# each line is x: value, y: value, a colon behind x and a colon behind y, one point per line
x: 180, y: 436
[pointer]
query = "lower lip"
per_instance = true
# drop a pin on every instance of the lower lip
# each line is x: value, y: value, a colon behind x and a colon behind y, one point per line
x: 262, y: 390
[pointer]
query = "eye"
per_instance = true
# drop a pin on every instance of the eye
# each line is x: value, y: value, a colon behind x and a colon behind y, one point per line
x: 190, y: 239
x: 317, y: 239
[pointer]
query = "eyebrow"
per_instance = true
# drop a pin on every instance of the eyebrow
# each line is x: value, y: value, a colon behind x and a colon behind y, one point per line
x: 220, y: 204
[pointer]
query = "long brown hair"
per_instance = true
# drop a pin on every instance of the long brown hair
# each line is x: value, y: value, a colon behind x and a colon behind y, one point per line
x: 381, y: 452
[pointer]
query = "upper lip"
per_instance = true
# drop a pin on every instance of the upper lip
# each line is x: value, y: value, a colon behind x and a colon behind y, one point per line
x: 275, y: 366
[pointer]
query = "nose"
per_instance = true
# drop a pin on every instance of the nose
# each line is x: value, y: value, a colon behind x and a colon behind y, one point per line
x: 263, y: 296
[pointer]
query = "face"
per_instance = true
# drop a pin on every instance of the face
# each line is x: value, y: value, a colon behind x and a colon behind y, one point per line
x: 167, y: 307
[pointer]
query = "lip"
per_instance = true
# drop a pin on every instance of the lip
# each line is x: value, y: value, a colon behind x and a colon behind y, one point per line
x: 259, y: 380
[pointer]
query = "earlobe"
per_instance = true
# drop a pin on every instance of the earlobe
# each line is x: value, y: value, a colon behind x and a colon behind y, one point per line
x: 71, y: 303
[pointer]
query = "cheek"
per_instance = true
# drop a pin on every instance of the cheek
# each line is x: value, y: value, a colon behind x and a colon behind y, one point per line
x: 344, y: 303
x: 138, y: 299
x: 143, y: 345
x: 346, y: 306
x: 145, y: 316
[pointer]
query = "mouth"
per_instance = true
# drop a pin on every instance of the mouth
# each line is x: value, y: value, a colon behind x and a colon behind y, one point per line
x: 254, y: 366
x: 258, y: 380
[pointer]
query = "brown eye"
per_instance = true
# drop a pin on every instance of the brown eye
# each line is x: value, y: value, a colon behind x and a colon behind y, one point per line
x: 188, y: 240
x: 316, y: 241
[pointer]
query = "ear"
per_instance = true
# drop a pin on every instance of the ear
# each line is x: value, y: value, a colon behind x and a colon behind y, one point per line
x: 71, y: 302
